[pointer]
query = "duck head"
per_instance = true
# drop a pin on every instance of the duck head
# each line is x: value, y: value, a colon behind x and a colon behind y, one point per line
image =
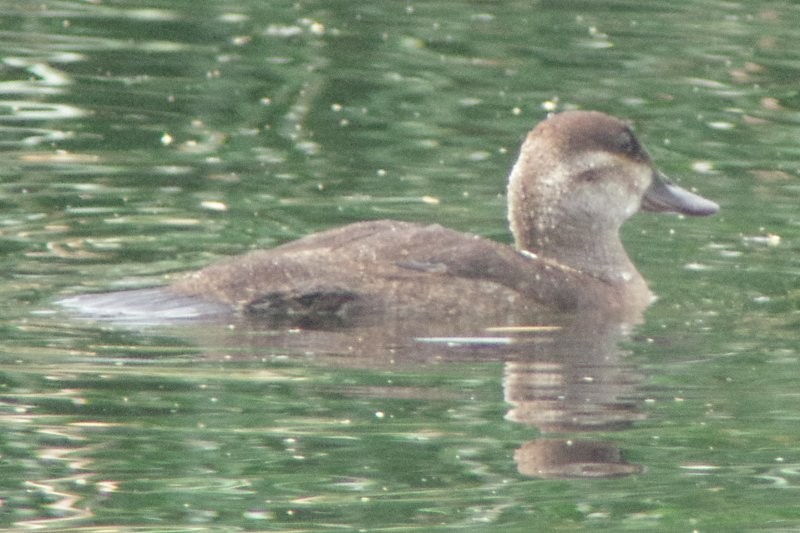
x: 579, y: 176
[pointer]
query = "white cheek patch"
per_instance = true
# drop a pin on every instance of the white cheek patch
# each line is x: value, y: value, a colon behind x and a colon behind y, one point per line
x: 626, y: 175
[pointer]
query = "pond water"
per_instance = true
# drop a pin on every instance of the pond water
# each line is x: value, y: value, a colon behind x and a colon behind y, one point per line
x: 144, y: 139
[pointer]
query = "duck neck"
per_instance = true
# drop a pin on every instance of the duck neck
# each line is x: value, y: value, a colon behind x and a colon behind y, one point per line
x: 598, y: 253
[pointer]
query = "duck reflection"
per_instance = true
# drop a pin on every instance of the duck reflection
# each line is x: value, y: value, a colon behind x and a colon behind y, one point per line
x: 567, y: 379
x: 577, y: 383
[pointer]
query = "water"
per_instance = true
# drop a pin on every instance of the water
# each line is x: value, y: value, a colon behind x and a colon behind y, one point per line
x: 141, y: 140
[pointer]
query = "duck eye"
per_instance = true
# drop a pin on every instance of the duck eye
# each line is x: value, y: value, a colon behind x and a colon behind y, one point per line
x: 628, y: 143
x: 589, y: 175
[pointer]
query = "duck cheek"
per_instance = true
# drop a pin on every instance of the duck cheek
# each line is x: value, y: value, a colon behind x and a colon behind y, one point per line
x: 631, y: 209
x: 630, y: 200
x: 626, y: 201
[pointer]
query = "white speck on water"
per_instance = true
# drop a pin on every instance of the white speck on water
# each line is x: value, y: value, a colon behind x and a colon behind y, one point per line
x: 721, y: 125
x: 703, y: 167
x: 696, y: 267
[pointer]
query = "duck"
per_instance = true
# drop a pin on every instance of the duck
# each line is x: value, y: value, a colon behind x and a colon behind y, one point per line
x: 578, y: 177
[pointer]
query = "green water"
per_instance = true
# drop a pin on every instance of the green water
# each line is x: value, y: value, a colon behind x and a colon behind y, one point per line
x: 143, y: 139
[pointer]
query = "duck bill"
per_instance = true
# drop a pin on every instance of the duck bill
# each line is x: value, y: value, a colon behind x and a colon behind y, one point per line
x: 663, y: 195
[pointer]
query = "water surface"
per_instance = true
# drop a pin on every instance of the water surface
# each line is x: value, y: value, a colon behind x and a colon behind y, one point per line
x: 141, y: 140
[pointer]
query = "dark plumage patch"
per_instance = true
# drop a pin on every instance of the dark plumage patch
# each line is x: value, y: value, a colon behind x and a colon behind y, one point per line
x: 303, y: 308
